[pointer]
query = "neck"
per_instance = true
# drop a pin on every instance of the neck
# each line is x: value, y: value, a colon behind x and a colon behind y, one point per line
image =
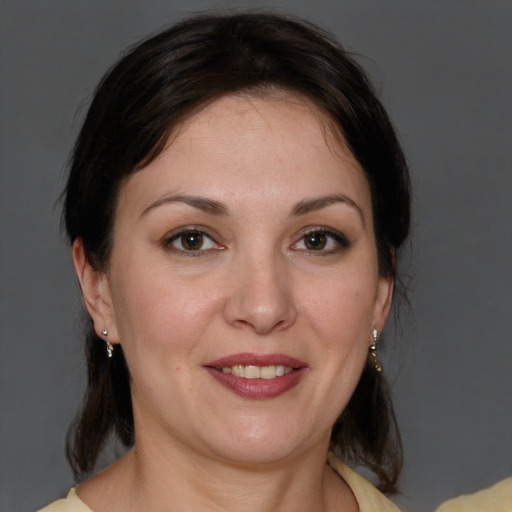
x: 190, y: 481
x: 174, y: 478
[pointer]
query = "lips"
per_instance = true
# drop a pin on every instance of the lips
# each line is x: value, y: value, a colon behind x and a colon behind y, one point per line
x: 256, y: 376
x: 257, y: 372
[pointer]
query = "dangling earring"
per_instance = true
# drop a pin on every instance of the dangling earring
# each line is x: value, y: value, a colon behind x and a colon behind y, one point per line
x: 110, y: 348
x: 373, y: 351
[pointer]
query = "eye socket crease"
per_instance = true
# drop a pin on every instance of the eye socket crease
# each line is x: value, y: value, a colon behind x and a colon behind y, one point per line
x: 194, y: 241
x: 321, y: 241
x: 191, y: 236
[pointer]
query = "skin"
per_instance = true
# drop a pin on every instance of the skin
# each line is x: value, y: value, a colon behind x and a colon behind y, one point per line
x: 255, y: 286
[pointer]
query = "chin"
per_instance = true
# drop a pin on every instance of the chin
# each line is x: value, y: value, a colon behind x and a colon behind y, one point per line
x: 262, y: 444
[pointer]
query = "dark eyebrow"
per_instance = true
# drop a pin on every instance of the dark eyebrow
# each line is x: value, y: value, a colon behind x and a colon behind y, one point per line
x: 207, y: 205
x: 315, y: 204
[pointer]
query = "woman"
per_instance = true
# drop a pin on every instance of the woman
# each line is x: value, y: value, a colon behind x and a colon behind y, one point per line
x: 236, y: 201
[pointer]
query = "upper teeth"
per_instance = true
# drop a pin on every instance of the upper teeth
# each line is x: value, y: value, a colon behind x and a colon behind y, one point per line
x: 257, y: 372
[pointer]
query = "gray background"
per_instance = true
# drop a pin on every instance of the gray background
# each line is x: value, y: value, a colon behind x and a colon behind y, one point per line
x: 445, y: 73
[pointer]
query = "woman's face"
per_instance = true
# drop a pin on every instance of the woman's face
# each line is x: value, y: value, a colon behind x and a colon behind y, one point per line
x: 243, y: 282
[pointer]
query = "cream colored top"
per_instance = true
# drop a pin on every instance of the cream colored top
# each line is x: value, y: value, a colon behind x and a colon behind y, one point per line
x: 72, y: 503
x: 497, y: 498
x: 367, y: 496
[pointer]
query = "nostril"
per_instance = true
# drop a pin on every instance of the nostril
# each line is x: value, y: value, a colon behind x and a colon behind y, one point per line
x: 259, y: 320
x: 260, y: 297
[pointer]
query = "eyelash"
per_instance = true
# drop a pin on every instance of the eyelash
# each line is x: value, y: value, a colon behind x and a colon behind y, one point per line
x: 190, y: 253
x: 332, y: 236
x: 338, y: 238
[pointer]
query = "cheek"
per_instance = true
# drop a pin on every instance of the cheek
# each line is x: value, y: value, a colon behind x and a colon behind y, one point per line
x: 341, y: 308
x: 153, y: 310
x: 341, y: 323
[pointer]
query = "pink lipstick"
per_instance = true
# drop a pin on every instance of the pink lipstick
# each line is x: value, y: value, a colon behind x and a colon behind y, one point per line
x: 256, y: 376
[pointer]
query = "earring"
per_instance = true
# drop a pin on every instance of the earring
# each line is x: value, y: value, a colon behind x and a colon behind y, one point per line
x: 373, y: 351
x: 110, y: 348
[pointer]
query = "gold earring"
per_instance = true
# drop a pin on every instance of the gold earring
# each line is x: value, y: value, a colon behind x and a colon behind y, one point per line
x: 110, y: 348
x: 373, y: 351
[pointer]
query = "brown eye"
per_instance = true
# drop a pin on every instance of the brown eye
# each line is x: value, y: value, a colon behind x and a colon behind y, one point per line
x: 192, y: 241
x: 322, y: 241
x: 315, y: 241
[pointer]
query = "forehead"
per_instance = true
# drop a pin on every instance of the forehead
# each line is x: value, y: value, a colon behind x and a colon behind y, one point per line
x: 254, y: 146
x: 261, y: 109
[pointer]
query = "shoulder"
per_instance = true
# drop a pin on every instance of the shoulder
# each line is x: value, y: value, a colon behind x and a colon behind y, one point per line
x: 72, y: 503
x: 497, y: 498
x: 368, y: 497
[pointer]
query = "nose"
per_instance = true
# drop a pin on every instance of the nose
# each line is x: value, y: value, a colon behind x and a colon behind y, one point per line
x: 260, y: 296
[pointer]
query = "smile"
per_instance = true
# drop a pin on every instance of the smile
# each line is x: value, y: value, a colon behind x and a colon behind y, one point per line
x: 257, y: 372
x: 257, y: 376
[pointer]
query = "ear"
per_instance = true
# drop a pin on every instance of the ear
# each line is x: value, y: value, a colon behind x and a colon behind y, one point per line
x: 383, y: 302
x: 96, y: 292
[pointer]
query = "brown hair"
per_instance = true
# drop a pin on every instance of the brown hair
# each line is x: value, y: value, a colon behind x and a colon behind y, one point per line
x: 135, y: 107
